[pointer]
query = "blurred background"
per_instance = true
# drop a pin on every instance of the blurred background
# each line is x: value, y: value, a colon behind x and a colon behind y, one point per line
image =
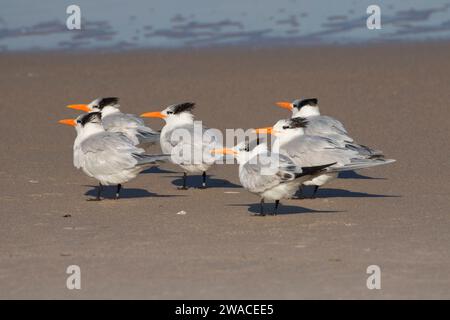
x: 118, y: 24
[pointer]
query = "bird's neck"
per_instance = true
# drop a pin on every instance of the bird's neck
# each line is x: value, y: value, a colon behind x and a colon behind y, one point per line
x: 106, y: 111
x: 244, y: 157
x: 306, y: 111
x: 283, y: 139
x: 89, y: 130
x: 179, y: 120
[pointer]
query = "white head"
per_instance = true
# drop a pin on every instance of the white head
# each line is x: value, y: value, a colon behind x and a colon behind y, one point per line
x: 176, y: 113
x: 103, y: 105
x: 285, y: 130
x: 90, y: 123
x: 302, y: 108
x: 85, y: 125
x: 243, y: 151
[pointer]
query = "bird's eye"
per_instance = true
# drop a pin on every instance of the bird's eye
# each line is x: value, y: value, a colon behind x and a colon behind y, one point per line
x: 285, y: 127
x: 169, y: 112
x: 247, y: 148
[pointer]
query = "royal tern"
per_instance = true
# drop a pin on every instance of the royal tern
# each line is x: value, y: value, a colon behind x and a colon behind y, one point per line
x: 319, y: 125
x: 270, y: 175
x: 113, y: 120
x: 182, y: 136
x: 109, y: 157
x: 308, y: 150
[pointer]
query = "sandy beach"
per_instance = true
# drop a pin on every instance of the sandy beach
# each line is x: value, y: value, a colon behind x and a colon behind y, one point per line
x: 391, y: 97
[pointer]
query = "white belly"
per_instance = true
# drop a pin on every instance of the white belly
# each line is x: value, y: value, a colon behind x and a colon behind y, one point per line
x: 195, y: 168
x: 119, y: 177
x: 321, y: 180
x: 281, y: 191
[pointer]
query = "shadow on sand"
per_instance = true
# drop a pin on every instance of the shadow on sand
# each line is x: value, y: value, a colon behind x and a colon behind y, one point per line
x: 282, y: 209
x: 157, y: 170
x: 195, y: 181
x: 341, y: 193
x: 109, y: 192
x: 356, y: 175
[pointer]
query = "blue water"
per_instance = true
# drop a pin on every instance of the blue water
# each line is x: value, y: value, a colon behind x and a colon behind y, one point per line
x: 113, y: 24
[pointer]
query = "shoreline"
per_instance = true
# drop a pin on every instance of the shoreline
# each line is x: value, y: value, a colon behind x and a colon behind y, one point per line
x: 236, y: 47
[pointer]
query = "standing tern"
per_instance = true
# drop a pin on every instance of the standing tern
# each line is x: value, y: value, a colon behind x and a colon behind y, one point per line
x: 114, y: 120
x: 109, y: 157
x: 307, y: 150
x: 319, y: 125
x: 181, y: 135
x: 270, y: 175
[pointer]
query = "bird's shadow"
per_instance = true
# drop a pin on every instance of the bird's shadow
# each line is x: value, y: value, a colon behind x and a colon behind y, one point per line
x: 156, y: 169
x: 196, y: 180
x: 282, y: 209
x: 341, y: 193
x: 109, y: 192
x: 356, y: 175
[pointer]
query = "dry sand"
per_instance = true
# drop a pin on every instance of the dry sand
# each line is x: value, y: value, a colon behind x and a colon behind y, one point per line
x: 395, y: 98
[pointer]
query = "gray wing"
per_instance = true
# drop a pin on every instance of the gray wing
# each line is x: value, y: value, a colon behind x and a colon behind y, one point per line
x: 122, y: 120
x: 109, y: 152
x: 314, y: 151
x: 131, y: 125
x: 260, y: 173
x: 333, y: 129
x: 327, y: 127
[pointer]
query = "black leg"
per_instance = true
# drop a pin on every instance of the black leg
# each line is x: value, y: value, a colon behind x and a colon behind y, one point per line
x: 300, y: 190
x: 119, y: 186
x: 275, y: 212
x: 99, y: 193
x: 314, y: 192
x: 203, y: 180
x: 184, y: 182
x: 261, y: 208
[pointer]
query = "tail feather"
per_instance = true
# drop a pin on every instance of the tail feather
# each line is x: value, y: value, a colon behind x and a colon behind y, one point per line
x: 361, y: 164
x: 144, y: 159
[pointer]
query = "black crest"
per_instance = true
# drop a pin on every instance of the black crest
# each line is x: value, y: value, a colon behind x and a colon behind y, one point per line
x: 183, y: 107
x: 306, y: 102
x: 298, y: 123
x: 111, y: 101
x: 94, y: 117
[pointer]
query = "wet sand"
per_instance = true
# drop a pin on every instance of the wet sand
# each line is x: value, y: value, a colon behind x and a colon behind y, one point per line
x: 392, y: 97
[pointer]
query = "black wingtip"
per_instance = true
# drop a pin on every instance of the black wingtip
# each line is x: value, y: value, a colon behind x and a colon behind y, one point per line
x: 315, y: 169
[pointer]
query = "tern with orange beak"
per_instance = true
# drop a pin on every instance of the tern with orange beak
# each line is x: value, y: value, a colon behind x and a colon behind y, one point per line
x: 113, y: 120
x: 189, y: 143
x: 318, y: 125
x: 307, y: 150
x: 109, y: 157
x: 271, y: 175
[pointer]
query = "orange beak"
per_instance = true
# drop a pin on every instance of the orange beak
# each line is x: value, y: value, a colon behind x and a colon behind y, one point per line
x: 266, y: 130
x: 68, y: 122
x: 156, y: 114
x: 82, y: 107
x: 286, y: 105
x: 224, y: 151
